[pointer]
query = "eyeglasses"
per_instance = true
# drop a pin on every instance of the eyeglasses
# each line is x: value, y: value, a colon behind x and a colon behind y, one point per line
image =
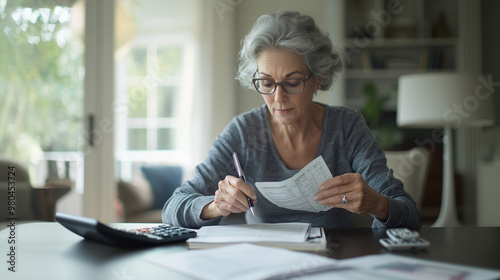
x: 290, y: 86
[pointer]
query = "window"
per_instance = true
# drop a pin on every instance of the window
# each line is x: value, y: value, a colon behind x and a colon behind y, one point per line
x: 151, y: 83
x: 41, y: 89
x: 154, y: 74
x: 44, y: 105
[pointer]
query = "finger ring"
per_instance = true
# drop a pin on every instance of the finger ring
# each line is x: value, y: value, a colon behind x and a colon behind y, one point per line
x: 344, y: 200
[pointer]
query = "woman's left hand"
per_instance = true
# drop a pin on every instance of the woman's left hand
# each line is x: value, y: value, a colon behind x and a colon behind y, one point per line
x: 360, y: 198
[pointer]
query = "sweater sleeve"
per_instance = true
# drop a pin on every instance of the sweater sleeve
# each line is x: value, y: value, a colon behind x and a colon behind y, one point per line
x: 368, y: 159
x: 186, y: 203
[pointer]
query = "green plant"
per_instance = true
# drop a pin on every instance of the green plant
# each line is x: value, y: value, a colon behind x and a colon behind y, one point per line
x: 387, y: 136
x: 374, y: 105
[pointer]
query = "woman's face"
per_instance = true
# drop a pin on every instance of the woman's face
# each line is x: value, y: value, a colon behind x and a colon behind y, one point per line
x: 278, y: 65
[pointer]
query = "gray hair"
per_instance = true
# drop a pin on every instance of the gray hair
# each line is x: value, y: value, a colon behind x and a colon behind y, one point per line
x: 294, y: 32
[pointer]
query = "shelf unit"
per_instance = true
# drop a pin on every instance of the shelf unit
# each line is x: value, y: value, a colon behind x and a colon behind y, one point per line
x: 385, y: 39
x: 411, y: 28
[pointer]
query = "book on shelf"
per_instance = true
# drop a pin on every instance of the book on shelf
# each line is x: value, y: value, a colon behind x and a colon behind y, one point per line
x: 424, y: 59
x: 366, y: 60
x: 400, y: 62
x: 292, y: 236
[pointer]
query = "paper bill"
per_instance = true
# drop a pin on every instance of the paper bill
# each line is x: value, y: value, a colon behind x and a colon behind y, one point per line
x: 296, y: 193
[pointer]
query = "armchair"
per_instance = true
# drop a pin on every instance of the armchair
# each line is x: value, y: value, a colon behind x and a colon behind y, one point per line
x: 411, y: 167
x: 31, y: 204
x: 143, y: 197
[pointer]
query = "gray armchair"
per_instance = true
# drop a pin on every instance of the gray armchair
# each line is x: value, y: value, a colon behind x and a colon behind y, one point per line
x: 31, y: 204
x: 412, y: 168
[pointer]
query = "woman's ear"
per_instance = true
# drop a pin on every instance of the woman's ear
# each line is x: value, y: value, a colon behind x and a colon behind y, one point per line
x: 317, y: 84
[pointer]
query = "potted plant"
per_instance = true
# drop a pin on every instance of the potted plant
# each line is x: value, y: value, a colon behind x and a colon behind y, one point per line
x: 387, y: 135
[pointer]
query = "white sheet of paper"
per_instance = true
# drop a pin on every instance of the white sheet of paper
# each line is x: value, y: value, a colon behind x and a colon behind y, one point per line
x: 391, y: 266
x: 279, y: 232
x: 296, y: 193
x: 244, y: 261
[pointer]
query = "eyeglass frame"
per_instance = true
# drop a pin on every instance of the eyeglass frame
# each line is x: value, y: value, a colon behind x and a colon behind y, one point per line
x: 276, y: 84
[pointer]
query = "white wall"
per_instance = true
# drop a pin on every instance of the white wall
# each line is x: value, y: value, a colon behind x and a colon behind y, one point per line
x: 488, y: 191
x: 488, y: 181
x: 215, y: 83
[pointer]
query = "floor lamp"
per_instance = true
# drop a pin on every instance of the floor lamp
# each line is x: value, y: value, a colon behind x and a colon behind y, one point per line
x: 444, y: 100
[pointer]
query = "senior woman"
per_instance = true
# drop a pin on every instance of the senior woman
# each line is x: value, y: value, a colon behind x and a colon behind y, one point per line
x: 287, y: 58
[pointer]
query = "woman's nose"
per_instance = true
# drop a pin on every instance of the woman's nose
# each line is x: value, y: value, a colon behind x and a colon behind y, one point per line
x: 279, y: 94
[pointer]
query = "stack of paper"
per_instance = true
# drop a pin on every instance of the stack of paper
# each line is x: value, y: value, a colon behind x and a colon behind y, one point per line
x: 294, y: 236
x: 244, y: 261
x: 390, y: 266
x: 247, y: 261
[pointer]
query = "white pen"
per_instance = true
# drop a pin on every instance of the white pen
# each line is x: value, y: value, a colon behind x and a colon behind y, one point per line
x: 242, y: 177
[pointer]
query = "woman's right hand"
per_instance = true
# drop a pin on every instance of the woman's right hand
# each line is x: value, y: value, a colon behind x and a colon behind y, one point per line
x: 229, y: 198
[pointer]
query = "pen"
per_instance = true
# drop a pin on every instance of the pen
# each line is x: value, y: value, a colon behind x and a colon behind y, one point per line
x: 242, y: 177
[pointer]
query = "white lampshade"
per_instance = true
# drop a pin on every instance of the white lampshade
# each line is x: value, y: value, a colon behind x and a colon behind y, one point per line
x: 433, y: 100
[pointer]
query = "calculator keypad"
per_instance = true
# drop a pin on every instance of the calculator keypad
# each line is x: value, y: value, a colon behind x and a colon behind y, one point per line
x: 161, y: 234
x: 162, y: 231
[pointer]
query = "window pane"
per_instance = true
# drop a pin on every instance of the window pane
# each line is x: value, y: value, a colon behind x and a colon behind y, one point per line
x: 150, y: 74
x: 138, y: 62
x: 41, y: 86
x: 169, y: 61
x: 166, y: 139
x: 137, y: 102
x: 137, y: 139
x: 166, y: 102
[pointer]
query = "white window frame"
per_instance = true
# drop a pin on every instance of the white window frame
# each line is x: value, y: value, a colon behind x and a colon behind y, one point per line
x: 130, y: 159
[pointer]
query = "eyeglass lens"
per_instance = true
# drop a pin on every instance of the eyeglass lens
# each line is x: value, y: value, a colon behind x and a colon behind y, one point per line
x: 291, y: 86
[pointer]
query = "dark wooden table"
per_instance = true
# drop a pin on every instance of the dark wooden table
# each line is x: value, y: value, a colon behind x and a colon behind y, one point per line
x: 49, y: 251
x: 474, y: 246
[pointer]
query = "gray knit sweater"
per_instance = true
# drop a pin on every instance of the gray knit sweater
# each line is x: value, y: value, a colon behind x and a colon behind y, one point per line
x: 347, y: 146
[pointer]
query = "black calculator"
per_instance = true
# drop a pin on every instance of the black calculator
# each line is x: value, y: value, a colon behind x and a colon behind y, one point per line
x: 94, y: 230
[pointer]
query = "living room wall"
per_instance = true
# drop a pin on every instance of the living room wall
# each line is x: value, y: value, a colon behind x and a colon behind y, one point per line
x: 489, y: 163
